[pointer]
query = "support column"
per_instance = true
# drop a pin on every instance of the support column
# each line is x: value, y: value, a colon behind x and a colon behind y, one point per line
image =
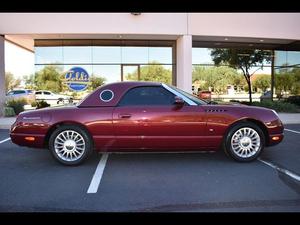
x: 184, y: 63
x: 272, y: 74
x: 2, y: 75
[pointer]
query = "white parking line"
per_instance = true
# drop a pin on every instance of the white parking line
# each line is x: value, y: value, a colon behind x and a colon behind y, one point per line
x: 287, y: 172
x: 7, y: 139
x: 294, y: 131
x: 98, y: 175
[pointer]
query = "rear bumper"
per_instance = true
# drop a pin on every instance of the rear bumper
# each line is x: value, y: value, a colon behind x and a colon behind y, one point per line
x: 275, y: 139
x: 20, y: 139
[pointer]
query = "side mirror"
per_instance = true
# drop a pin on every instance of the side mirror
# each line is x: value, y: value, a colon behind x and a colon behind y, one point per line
x: 178, y: 101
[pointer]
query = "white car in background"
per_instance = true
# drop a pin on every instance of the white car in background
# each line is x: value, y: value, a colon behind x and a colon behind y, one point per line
x: 21, y: 93
x: 52, y: 98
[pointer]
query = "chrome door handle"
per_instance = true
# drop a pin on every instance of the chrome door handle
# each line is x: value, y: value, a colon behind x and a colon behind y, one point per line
x: 124, y: 116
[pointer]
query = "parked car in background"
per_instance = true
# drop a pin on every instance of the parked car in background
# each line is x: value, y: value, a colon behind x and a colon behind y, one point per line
x: 52, y: 98
x: 147, y: 116
x: 206, y: 95
x: 27, y: 94
x: 267, y: 95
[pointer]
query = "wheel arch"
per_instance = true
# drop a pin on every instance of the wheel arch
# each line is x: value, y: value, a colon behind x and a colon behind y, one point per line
x: 59, y: 124
x: 251, y: 120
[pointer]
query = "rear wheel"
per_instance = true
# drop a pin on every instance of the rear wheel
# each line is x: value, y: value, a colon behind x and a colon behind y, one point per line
x: 70, y: 145
x: 244, y: 142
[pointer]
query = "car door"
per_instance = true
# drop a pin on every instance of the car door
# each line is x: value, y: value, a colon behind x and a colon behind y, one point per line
x: 127, y: 123
x: 148, y: 115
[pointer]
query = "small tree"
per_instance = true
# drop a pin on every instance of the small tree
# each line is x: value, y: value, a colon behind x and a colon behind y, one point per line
x: 11, y: 82
x: 243, y: 59
x: 29, y: 81
x: 49, y: 78
x: 283, y: 82
x: 209, y: 77
x: 262, y: 82
x: 96, y: 81
x: 152, y: 73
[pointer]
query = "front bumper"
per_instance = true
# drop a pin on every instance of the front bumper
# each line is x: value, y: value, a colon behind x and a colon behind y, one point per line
x: 26, y: 134
x: 275, y: 139
x: 22, y: 140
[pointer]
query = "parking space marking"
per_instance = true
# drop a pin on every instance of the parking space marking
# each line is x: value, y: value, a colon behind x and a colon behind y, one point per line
x: 7, y: 139
x: 93, y: 188
x: 294, y: 131
x: 285, y: 171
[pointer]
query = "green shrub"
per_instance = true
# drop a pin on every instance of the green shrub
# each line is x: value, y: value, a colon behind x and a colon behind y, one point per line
x: 279, y: 106
x: 17, y: 104
x: 33, y: 104
x: 41, y: 104
x: 294, y: 100
x: 9, y: 111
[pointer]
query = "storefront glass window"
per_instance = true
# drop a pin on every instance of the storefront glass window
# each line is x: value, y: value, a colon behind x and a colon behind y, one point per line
x: 107, y: 54
x: 49, y: 55
x: 102, y: 64
x: 77, y: 55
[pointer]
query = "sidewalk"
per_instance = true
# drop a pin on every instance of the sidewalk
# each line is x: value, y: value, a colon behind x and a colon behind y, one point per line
x: 286, y: 118
x: 6, y: 122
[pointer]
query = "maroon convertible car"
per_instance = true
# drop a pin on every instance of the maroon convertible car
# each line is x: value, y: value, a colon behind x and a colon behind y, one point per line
x: 147, y: 116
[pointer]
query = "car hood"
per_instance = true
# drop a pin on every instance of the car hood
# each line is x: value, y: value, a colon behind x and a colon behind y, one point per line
x: 240, y: 111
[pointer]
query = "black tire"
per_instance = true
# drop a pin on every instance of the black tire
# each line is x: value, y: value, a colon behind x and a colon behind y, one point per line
x: 88, y: 149
x: 227, y: 147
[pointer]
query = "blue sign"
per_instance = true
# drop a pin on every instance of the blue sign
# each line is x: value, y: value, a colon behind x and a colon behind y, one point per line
x: 77, y: 79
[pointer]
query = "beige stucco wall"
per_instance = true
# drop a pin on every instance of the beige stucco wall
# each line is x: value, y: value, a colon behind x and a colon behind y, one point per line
x: 260, y: 25
x: 256, y: 25
x: 106, y: 23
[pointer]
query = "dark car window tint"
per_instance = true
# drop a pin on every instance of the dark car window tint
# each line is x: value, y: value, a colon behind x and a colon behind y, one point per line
x: 47, y: 93
x: 147, y: 96
x: 19, y: 92
x: 38, y: 93
x: 106, y: 95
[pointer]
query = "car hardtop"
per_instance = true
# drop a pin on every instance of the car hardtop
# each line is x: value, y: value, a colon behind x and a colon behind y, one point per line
x: 118, y: 89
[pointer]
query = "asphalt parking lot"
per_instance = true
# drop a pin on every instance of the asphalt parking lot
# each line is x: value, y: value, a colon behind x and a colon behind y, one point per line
x: 30, y: 180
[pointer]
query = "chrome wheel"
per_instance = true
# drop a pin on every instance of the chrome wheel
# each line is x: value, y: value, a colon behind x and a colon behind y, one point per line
x: 69, y: 145
x: 245, y: 142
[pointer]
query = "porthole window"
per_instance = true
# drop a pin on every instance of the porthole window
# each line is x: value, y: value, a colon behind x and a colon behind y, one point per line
x: 106, y: 95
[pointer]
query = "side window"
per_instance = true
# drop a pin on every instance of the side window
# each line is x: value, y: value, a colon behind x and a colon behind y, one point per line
x: 46, y: 93
x: 147, y: 96
x: 38, y: 93
x: 19, y: 92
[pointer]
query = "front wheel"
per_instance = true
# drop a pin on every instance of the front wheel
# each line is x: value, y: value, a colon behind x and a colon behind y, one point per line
x: 244, y: 142
x: 70, y: 145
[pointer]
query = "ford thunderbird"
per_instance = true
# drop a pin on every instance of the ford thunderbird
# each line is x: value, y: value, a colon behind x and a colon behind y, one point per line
x: 147, y: 117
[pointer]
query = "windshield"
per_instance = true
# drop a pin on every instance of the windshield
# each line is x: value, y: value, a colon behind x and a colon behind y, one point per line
x: 189, y: 96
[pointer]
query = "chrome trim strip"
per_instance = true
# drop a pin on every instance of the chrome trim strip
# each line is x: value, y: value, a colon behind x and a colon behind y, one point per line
x: 32, y: 118
x: 187, y: 100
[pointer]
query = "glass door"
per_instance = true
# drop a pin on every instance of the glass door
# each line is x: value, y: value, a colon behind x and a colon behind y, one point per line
x: 130, y: 72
